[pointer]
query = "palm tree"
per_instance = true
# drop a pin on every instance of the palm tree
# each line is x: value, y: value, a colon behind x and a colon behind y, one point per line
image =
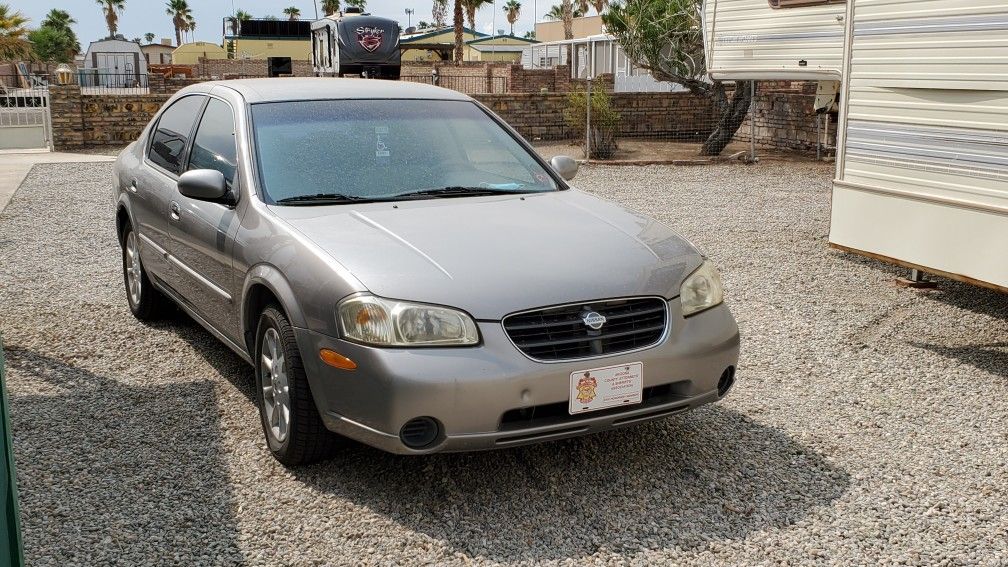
x: 471, y: 7
x: 599, y: 5
x: 111, y: 9
x: 440, y: 13
x: 330, y: 7
x: 357, y: 3
x: 293, y: 13
x: 513, y: 9
x: 556, y: 13
x: 13, y: 32
x: 582, y: 6
x: 234, y: 22
x: 567, y: 13
x: 62, y: 20
x: 190, y: 26
x: 181, y: 14
x: 149, y: 37
x: 457, y: 23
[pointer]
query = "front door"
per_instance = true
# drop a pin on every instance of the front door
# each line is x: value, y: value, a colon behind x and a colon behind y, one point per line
x: 153, y: 187
x: 202, y: 231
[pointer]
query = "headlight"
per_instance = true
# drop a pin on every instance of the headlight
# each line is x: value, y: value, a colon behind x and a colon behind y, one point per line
x: 385, y: 322
x: 701, y: 290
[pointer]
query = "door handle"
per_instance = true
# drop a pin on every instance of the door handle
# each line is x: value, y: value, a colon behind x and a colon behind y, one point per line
x: 176, y: 211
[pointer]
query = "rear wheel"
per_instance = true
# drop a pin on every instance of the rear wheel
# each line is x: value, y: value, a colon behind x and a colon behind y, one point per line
x: 146, y: 302
x: 294, y: 430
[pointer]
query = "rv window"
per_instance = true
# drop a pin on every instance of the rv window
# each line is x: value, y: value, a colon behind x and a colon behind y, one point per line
x: 168, y: 143
x: 796, y: 3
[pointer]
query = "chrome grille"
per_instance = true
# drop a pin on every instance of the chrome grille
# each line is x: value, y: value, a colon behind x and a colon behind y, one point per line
x: 560, y: 333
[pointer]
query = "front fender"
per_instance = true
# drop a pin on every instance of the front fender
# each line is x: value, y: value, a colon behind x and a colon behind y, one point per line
x: 274, y: 280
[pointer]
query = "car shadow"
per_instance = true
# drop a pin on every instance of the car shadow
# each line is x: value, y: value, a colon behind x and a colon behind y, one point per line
x: 134, y: 472
x: 712, y: 474
x: 682, y: 482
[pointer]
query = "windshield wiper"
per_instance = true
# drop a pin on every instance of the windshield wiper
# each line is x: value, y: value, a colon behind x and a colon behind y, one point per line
x: 457, y: 191
x: 322, y: 199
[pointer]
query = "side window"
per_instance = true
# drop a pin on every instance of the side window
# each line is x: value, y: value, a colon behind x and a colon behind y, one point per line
x: 214, y: 145
x: 796, y: 3
x: 171, y: 135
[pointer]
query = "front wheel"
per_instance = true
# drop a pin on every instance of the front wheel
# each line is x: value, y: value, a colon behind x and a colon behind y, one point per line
x: 294, y: 431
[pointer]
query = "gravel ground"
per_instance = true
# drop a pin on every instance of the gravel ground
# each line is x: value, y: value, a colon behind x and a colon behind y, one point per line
x: 868, y: 424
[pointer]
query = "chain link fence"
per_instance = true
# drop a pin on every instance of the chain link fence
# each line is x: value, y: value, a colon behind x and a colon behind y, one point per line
x: 603, y: 126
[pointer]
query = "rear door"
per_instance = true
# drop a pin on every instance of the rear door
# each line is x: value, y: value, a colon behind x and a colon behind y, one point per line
x: 202, y: 232
x: 154, y: 185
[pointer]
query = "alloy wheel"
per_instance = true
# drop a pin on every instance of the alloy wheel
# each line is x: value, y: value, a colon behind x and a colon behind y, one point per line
x: 276, y: 395
x: 134, y: 282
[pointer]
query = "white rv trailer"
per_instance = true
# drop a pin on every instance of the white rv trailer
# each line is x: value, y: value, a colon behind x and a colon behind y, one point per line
x: 922, y: 169
x: 774, y: 39
x: 922, y: 159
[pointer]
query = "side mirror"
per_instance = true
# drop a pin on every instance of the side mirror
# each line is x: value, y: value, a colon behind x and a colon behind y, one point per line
x: 566, y: 166
x: 203, y: 184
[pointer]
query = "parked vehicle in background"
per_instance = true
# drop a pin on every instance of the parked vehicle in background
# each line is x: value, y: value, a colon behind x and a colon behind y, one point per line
x: 922, y: 177
x: 354, y: 44
x: 401, y: 268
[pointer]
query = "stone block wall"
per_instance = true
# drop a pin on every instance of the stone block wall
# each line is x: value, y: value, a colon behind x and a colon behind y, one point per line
x: 671, y: 116
x: 245, y: 68
x: 95, y: 121
x: 785, y: 118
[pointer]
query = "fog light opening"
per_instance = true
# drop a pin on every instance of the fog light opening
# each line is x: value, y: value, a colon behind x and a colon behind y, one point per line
x: 420, y: 432
x: 726, y: 381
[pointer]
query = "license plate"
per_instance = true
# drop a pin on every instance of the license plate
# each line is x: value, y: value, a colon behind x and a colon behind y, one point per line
x: 607, y: 387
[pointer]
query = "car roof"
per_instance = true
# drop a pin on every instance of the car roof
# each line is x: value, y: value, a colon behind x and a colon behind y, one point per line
x: 319, y: 88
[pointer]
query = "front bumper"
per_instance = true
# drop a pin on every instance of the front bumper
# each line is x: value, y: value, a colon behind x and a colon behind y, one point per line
x: 476, y: 394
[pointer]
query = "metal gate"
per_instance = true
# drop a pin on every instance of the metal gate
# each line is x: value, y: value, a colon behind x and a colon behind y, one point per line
x: 25, y: 122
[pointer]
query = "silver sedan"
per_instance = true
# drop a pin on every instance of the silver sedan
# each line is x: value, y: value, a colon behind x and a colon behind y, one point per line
x: 401, y: 268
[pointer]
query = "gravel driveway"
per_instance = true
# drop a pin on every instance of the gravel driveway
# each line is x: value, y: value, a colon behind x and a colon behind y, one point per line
x: 869, y: 423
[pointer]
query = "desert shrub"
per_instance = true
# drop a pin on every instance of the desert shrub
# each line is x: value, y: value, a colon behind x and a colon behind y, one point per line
x: 604, y: 121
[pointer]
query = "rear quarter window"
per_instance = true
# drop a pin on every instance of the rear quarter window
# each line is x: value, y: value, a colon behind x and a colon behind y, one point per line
x: 171, y: 135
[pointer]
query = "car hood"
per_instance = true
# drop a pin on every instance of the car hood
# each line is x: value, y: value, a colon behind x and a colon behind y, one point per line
x: 499, y: 254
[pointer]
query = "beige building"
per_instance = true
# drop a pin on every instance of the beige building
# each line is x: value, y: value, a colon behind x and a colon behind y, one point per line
x: 553, y: 30
x: 189, y: 53
x: 158, y: 53
x: 433, y: 45
x: 505, y: 48
x: 265, y: 39
x: 439, y: 45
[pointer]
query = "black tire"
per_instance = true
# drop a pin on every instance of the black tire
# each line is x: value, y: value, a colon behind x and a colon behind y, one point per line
x: 306, y: 440
x: 148, y: 304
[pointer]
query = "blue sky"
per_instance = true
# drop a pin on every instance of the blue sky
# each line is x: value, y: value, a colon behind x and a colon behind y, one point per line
x: 142, y: 16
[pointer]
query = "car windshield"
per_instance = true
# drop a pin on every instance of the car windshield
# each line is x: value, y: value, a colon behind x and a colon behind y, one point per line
x: 326, y: 151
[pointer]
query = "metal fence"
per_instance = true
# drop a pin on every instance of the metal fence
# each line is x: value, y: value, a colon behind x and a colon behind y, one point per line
x: 467, y: 84
x: 93, y: 81
x: 24, y: 112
